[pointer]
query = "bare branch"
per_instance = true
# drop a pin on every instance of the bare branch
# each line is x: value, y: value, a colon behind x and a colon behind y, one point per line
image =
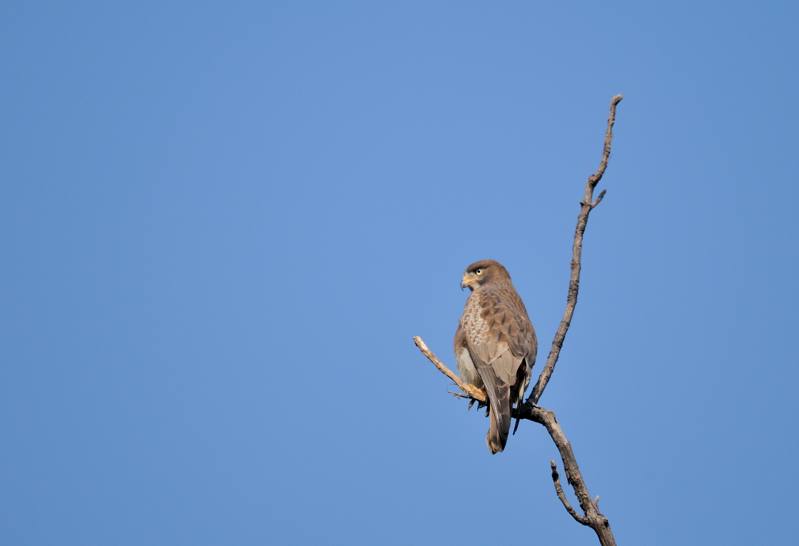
x: 594, y: 519
x: 599, y: 199
x: 562, y: 495
x: 586, y: 207
x: 472, y: 391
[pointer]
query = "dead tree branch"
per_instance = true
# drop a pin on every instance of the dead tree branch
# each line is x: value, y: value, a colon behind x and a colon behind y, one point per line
x: 562, y: 496
x: 475, y: 393
x: 591, y: 516
x: 586, y: 206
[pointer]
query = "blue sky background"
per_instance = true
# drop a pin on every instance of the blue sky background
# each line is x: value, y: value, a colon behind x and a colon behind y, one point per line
x: 221, y: 224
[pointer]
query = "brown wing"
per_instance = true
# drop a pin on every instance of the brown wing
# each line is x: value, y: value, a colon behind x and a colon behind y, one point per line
x: 514, y: 323
x: 491, y: 327
x: 497, y: 375
x: 463, y: 359
x: 507, y: 319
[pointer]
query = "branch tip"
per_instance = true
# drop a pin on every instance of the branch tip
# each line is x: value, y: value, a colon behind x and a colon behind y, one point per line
x: 588, y: 203
x: 470, y: 391
x: 562, y: 496
x: 599, y: 199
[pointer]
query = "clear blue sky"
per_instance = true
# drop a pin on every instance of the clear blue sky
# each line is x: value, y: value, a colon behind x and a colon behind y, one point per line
x: 222, y: 223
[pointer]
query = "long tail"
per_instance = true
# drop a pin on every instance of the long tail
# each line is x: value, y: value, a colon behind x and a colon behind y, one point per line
x: 499, y: 419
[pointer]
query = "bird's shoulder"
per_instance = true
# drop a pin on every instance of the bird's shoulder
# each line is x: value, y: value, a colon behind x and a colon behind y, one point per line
x: 506, y: 317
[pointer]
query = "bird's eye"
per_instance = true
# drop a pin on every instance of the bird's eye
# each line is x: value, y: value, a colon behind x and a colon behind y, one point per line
x: 478, y: 271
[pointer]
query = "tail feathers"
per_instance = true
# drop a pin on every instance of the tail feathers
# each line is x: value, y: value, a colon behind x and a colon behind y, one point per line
x: 498, y: 391
x: 499, y: 425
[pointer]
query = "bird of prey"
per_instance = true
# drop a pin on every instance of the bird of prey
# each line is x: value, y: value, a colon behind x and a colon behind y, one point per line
x: 495, y: 344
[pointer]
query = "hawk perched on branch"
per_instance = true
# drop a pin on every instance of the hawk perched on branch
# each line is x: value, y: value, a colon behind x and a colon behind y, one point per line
x: 495, y: 344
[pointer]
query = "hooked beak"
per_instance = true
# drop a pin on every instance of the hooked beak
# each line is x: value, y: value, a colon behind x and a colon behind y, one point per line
x: 465, y: 281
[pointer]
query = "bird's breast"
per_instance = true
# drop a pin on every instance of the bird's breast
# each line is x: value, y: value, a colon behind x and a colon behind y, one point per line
x: 474, y: 325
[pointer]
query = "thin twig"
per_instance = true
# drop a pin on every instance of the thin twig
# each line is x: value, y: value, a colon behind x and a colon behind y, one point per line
x: 562, y: 495
x: 471, y: 391
x: 594, y: 519
x: 586, y: 206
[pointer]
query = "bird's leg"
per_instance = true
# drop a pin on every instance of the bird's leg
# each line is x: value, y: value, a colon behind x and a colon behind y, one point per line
x: 519, y: 406
x: 480, y: 404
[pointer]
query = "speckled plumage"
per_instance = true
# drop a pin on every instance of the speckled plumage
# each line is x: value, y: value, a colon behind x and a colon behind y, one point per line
x: 495, y: 344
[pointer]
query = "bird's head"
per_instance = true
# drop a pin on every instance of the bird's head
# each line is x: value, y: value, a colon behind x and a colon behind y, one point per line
x: 482, y: 272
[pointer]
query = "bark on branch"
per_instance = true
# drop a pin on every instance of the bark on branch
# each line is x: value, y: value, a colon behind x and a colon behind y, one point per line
x: 586, y: 206
x: 591, y: 515
x: 562, y: 496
